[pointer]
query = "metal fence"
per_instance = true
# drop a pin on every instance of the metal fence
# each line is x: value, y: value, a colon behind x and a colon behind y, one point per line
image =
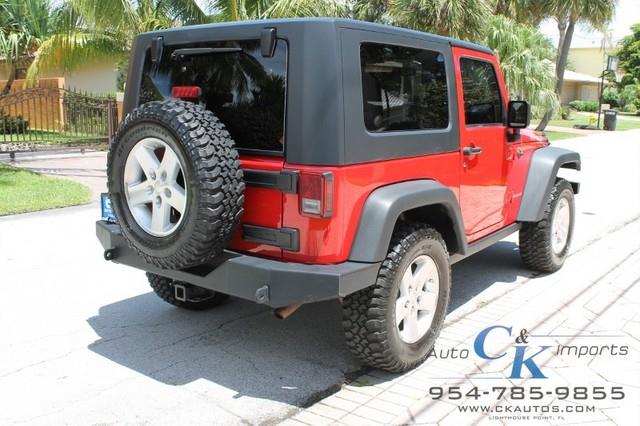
x: 56, y: 117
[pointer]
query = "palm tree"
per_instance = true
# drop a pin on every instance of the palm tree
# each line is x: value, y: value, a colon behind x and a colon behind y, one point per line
x: 23, y: 26
x: 463, y: 19
x: 567, y: 13
x: 526, y: 58
x: 456, y: 18
x: 104, y: 29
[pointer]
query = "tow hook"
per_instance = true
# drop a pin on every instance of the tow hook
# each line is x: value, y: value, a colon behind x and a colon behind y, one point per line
x: 110, y: 254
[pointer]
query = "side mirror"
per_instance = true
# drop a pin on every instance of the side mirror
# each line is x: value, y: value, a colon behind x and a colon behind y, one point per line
x: 518, y: 115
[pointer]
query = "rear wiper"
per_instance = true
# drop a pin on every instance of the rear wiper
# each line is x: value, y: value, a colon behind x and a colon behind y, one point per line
x: 180, y: 54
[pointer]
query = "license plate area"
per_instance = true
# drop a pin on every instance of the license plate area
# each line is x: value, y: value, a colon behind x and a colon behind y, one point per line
x: 106, y: 210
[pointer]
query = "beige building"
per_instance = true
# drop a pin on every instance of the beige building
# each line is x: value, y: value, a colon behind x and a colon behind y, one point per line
x: 584, y: 69
x: 579, y: 86
x: 589, y: 60
x: 97, y: 78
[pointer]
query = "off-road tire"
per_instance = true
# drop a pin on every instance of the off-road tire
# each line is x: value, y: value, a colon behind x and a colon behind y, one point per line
x: 212, y: 173
x: 536, y: 248
x: 369, y: 314
x: 163, y: 287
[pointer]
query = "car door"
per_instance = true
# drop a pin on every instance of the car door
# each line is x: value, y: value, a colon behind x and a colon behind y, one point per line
x: 483, y: 144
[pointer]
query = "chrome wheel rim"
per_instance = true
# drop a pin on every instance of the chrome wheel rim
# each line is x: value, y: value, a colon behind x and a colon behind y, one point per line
x: 560, y: 226
x: 155, y: 187
x: 417, y: 299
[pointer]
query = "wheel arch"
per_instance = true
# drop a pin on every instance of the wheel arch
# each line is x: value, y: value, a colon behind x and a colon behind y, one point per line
x: 423, y: 201
x: 542, y: 175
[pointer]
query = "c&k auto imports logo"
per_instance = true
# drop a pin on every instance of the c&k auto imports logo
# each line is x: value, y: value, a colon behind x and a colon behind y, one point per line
x: 513, y: 381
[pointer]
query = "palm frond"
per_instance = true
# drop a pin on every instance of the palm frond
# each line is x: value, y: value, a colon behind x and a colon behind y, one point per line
x: 463, y: 19
x: 67, y: 52
x: 306, y: 8
x: 526, y: 58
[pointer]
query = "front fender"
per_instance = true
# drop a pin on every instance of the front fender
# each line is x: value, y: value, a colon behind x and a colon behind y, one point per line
x: 385, y: 205
x: 543, y: 170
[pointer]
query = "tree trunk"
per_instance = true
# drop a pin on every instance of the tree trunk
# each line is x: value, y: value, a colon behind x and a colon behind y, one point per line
x: 10, y: 80
x: 563, y: 55
x: 564, y: 43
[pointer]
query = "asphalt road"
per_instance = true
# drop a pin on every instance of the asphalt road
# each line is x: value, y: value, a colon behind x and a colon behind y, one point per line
x: 84, y: 341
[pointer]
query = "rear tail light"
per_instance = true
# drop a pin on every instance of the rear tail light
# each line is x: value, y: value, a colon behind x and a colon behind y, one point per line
x: 186, y: 92
x: 316, y: 194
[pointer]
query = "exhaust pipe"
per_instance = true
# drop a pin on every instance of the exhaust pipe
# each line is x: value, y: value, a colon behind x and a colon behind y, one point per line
x: 286, y: 311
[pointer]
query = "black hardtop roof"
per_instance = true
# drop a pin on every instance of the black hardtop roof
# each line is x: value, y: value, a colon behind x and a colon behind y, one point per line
x: 335, y: 23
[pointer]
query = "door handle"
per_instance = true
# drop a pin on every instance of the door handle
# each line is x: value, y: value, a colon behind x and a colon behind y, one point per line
x: 471, y: 150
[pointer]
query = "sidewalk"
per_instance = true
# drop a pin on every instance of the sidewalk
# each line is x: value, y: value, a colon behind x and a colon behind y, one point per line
x: 582, y: 132
x: 576, y: 306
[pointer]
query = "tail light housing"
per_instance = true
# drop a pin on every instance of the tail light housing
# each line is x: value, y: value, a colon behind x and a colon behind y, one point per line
x: 315, y: 191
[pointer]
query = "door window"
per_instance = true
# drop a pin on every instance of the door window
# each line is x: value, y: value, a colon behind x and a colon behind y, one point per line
x: 481, y: 92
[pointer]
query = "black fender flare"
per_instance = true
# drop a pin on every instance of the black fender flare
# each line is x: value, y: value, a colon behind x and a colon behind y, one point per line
x: 543, y: 170
x: 385, y: 205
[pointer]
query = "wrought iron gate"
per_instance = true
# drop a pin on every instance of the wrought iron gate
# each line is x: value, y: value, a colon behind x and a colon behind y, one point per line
x: 56, y: 116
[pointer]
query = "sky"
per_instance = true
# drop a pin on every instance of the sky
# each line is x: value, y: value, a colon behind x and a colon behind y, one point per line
x: 627, y: 13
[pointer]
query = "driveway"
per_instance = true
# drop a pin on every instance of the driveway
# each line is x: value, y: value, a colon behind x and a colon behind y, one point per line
x: 84, y: 341
x: 89, y: 168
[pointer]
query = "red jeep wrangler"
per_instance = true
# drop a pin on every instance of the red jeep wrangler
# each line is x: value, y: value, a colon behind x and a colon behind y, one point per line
x: 300, y: 160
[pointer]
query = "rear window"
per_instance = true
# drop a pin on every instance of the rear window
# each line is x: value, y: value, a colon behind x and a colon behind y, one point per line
x: 245, y: 90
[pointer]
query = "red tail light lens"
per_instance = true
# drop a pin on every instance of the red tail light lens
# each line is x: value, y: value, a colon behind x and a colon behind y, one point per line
x: 316, y: 194
x: 186, y: 92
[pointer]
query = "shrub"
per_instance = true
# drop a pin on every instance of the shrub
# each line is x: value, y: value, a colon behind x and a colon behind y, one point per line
x: 12, y: 125
x: 628, y: 95
x: 611, y: 96
x: 630, y: 107
x: 589, y: 106
x: 565, y: 113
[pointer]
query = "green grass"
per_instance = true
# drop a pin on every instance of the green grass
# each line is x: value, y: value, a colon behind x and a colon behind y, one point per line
x: 24, y: 191
x: 51, y: 138
x: 556, y: 136
x: 623, y: 123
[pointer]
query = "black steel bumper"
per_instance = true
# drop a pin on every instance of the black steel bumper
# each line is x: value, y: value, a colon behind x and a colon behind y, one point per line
x: 265, y: 281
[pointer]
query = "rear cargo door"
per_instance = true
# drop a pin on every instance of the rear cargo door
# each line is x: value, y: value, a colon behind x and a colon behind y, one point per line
x: 247, y: 92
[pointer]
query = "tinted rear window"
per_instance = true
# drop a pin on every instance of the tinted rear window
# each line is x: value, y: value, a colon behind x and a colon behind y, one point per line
x: 245, y: 90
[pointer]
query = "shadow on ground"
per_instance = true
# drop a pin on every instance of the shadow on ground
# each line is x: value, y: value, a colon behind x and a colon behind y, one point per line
x: 243, y: 348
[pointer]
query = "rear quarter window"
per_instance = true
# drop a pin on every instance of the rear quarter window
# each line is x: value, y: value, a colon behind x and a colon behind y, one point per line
x: 245, y: 90
x: 403, y: 88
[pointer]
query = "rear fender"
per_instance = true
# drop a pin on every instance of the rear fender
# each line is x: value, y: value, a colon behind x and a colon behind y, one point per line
x: 385, y: 205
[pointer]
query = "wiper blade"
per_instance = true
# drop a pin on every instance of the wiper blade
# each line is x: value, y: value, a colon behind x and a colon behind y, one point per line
x: 199, y: 51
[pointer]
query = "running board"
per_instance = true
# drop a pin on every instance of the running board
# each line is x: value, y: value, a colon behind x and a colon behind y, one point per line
x: 485, y: 242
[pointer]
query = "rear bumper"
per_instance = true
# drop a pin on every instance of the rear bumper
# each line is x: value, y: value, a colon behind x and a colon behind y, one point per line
x: 265, y: 281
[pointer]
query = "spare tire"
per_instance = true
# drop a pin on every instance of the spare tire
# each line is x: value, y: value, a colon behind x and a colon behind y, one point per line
x: 175, y: 183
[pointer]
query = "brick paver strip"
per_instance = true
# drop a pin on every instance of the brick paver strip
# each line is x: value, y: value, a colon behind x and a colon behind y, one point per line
x: 565, y: 304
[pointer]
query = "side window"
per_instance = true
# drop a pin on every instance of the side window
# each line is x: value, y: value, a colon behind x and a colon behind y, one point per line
x: 403, y: 88
x: 481, y: 92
